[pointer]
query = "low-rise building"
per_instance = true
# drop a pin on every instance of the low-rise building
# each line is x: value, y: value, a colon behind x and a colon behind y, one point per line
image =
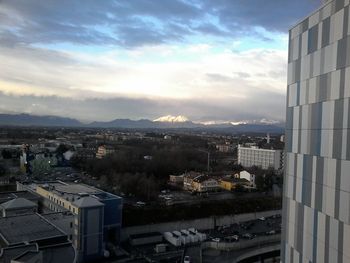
x: 188, y: 180
x: 97, y: 215
x: 85, y: 154
x: 104, y: 150
x: 36, y: 162
x: 8, y: 196
x: 248, y: 176
x: 18, y: 206
x: 176, y: 179
x: 167, y: 137
x: 198, y: 182
x: 225, y: 148
x: 230, y: 183
x: 204, y: 184
x: 31, y: 238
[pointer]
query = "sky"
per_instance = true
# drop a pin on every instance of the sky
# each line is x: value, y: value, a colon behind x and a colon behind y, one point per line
x: 209, y: 60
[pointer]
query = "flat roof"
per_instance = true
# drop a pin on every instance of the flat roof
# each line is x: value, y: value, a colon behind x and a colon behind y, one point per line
x: 74, y: 190
x: 53, y: 216
x: 33, y: 227
x: 68, y: 191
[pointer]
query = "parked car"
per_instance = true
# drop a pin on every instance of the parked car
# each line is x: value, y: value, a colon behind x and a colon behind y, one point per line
x: 272, y: 232
x: 216, y: 239
x: 248, y: 236
x: 187, y: 259
x: 233, y: 238
x: 140, y: 204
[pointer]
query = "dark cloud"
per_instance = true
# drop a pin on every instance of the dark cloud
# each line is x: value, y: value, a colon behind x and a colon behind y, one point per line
x: 142, y: 22
x: 210, y: 29
x: 121, y: 107
x: 270, y: 14
x: 219, y: 77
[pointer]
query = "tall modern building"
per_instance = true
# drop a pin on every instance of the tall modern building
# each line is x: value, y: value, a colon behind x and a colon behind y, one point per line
x: 317, y: 178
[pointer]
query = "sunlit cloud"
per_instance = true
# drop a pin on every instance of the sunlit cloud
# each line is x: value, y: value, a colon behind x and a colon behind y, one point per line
x: 206, y: 60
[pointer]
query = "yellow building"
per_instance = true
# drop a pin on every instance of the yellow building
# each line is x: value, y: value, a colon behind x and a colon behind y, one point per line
x: 230, y: 184
x: 104, y: 150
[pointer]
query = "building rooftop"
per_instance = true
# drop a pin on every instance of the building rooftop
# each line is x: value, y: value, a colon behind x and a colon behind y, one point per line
x: 54, y: 216
x: 32, y: 227
x: 192, y: 175
x: 202, y: 178
x: 51, y: 254
x: 68, y: 191
x: 7, y: 196
x: 235, y: 180
x: 9, y: 253
x: 65, y: 188
x: 18, y: 203
x: 87, y: 201
x: 74, y: 192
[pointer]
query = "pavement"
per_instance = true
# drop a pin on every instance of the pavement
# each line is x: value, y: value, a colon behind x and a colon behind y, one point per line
x: 194, y: 252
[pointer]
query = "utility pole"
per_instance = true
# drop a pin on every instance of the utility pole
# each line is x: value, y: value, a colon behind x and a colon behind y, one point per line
x: 208, y: 164
x: 208, y: 161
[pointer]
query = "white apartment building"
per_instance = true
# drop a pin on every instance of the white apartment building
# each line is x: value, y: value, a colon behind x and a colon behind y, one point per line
x: 263, y: 158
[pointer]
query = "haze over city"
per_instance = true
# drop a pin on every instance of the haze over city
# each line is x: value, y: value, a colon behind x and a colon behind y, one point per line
x: 209, y: 61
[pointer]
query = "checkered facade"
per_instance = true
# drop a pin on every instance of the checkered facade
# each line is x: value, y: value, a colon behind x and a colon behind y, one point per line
x: 316, y: 203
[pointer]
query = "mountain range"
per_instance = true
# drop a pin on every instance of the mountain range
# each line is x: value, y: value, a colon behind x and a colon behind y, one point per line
x: 174, y: 123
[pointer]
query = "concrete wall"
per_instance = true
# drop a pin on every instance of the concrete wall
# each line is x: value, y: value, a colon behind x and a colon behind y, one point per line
x: 259, y: 251
x: 201, y: 224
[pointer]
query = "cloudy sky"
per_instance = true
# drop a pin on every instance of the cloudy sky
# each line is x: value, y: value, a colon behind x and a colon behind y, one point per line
x: 209, y: 60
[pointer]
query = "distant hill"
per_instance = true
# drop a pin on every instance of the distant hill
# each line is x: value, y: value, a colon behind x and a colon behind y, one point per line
x: 33, y: 120
x: 123, y: 123
x: 55, y: 121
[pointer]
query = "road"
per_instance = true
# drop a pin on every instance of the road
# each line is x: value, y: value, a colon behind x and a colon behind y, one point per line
x: 195, y: 253
x: 215, y: 256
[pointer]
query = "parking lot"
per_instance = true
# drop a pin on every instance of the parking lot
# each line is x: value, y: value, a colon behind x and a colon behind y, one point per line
x: 246, y: 230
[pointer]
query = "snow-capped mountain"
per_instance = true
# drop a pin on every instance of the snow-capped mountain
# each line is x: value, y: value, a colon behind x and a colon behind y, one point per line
x: 171, y: 118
